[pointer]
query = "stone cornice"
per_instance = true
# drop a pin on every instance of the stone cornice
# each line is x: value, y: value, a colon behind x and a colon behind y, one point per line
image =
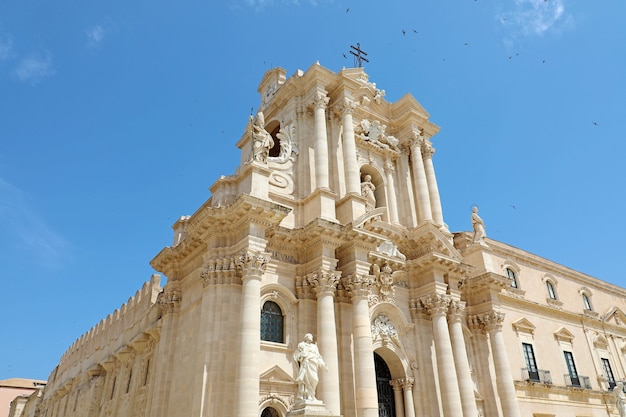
x: 489, y: 281
x: 565, y: 316
x: 210, y: 221
x: 549, y: 267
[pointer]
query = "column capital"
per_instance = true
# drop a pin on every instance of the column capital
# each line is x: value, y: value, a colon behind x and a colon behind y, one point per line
x: 169, y: 299
x: 389, y: 167
x: 427, y: 149
x: 456, y: 311
x: 324, y: 282
x: 252, y: 264
x: 320, y: 101
x: 436, y: 305
x: 359, y: 285
x: 345, y: 106
x: 493, y: 320
x: 408, y: 383
x: 489, y: 321
x: 220, y: 271
x: 396, y: 384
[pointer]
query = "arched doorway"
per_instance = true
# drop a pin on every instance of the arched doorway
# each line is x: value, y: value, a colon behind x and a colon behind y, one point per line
x: 386, y: 403
x: 270, y: 412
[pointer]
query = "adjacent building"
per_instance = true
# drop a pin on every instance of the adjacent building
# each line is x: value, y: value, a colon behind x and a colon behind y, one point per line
x: 332, y: 225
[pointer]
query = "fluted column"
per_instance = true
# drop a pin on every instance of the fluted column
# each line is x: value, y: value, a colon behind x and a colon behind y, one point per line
x: 466, y: 385
x: 437, y: 307
x: 419, y: 178
x: 351, y: 166
x: 325, y: 284
x: 321, y: 141
x: 396, y: 384
x: 252, y: 266
x: 364, y: 372
x: 409, y: 405
x: 391, y: 192
x: 433, y: 189
x: 504, y: 379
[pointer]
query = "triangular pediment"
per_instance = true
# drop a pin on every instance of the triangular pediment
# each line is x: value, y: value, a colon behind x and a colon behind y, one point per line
x: 614, y: 316
x: 564, y: 335
x: 524, y: 326
x: 599, y: 341
x: 276, y: 375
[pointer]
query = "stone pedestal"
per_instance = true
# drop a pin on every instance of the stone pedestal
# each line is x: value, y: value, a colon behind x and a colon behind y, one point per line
x: 309, y: 408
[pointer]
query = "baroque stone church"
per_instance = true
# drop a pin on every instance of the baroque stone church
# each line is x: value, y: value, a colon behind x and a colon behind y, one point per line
x: 332, y: 227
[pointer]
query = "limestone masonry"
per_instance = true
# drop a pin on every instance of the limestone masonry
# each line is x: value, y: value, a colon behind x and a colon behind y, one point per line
x: 332, y: 225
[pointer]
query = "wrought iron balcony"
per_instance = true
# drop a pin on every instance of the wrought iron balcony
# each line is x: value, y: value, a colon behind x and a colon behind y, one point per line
x: 577, y: 381
x: 538, y: 375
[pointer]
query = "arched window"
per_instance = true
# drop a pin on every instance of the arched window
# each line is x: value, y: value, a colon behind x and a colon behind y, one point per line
x: 272, y: 323
x: 551, y: 292
x: 511, y: 274
x: 586, y: 302
x: 270, y: 412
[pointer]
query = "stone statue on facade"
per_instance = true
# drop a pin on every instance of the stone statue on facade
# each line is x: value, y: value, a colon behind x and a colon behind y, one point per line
x: 262, y: 141
x: 479, y: 227
x: 620, y: 399
x: 367, y: 191
x: 309, y: 362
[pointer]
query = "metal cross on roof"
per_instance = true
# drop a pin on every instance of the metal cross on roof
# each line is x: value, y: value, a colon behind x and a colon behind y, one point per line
x: 359, y: 55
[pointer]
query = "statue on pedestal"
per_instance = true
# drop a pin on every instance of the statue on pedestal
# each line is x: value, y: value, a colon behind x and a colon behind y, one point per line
x: 479, y: 227
x: 367, y: 191
x: 620, y: 399
x: 309, y: 362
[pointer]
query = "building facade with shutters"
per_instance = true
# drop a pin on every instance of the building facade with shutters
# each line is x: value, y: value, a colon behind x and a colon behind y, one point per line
x: 332, y: 225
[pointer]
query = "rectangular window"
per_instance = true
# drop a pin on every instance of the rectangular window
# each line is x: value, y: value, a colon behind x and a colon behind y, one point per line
x: 571, y: 369
x: 531, y: 363
x: 130, y: 376
x: 145, y: 377
x: 608, y: 372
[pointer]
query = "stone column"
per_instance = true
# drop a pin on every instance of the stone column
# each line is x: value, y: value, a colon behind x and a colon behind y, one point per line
x: 409, y: 405
x: 466, y: 385
x: 504, y: 380
x: 397, y: 396
x: 391, y: 192
x: 252, y: 266
x: 421, y: 185
x: 433, y: 190
x: 364, y: 372
x: 351, y: 166
x: 437, y: 307
x: 325, y: 284
x: 321, y: 141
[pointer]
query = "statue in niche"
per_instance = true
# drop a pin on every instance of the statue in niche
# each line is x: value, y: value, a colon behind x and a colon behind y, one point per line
x: 309, y: 362
x: 262, y: 141
x: 367, y: 191
x: 479, y: 227
x: 620, y: 399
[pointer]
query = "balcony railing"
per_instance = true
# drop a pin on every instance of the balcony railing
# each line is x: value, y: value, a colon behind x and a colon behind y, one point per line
x: 577, y: 381
x: 538, y: 375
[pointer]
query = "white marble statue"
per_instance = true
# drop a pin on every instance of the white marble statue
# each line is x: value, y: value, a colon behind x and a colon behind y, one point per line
x: 309, y: 362
x: 479, y: 227
x: 367, y: 191
x: 620, y: 399
x: 262, y: 141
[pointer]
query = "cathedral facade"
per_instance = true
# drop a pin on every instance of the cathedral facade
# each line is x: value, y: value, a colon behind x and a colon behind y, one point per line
x: 332, y: 227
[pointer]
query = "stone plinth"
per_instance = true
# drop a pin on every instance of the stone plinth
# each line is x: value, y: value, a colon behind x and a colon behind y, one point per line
x: 309, y: 408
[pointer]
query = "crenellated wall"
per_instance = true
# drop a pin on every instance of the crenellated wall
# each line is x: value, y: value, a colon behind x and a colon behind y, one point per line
x: 110, y: 336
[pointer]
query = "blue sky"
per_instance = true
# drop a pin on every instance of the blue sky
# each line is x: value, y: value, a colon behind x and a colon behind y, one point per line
x: 116, y: 117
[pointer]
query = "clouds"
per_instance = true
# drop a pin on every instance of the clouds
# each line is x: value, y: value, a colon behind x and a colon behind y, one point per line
x: 95, y: 36
x: 34, y: 68
x: 26, y: 230
x: 534, y: 18
x: 6, y: 49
